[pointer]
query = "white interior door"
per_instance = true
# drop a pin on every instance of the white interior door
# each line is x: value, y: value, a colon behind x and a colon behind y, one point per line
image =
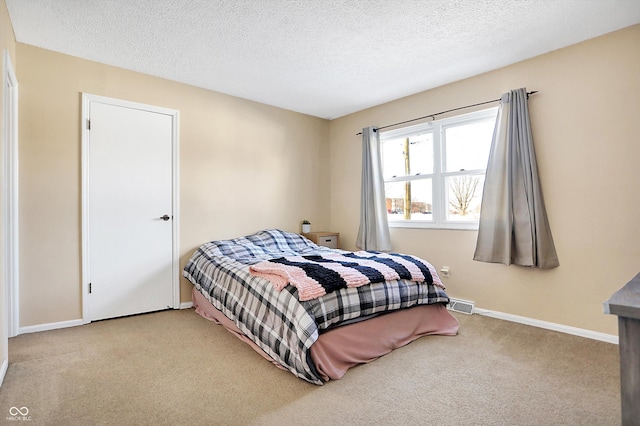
x: 129, y: 210
x: 9, y: 214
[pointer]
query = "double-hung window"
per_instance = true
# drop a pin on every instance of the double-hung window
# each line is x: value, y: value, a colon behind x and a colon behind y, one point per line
x: 434, y: 172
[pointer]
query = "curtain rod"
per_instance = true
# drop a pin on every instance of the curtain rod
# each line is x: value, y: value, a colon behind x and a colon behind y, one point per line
x: 442, y: 112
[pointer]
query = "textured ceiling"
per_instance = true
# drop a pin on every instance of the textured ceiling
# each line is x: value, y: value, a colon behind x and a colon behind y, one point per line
x: 326, y: 58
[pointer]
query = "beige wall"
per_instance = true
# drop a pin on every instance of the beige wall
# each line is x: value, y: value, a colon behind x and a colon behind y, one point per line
x: 8, y: 42
x: 244, y: 166
x: 585, y: 130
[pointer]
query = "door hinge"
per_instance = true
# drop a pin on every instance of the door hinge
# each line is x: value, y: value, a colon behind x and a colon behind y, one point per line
x: 89, y: 288
x: 88, y: 124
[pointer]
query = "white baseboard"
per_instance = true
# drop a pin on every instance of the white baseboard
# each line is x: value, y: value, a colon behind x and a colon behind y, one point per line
x: 72, y: 323
x: 609, y: 338
x: 3, y: 370
x: 49, y: 326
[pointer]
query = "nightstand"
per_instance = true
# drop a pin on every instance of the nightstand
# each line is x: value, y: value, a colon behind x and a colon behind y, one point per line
x: 326, y: 239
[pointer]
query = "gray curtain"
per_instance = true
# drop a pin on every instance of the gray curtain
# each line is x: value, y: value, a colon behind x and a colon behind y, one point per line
x: 374, y: 228
x: 513, y: 221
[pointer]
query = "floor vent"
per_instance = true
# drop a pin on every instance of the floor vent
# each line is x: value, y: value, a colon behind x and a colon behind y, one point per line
x: 463, y: 306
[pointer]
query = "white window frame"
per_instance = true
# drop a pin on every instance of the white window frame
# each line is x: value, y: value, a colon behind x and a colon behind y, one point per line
x: 437, y: 127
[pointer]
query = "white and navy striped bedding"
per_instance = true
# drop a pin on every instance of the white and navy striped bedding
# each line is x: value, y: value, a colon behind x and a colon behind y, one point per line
x: 277, y: 321
x: 316, y: 275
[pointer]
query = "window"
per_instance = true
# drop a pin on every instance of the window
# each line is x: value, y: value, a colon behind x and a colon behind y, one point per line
x: 434, y: 172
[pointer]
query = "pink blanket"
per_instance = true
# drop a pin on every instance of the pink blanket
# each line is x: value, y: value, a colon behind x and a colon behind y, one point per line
x: 315, y: 276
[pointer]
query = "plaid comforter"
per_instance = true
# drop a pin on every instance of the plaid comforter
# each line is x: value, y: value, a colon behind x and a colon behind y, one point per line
x: 277, y: 321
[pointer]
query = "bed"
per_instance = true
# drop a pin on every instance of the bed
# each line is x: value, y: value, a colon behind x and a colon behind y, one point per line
x: 316, y: 331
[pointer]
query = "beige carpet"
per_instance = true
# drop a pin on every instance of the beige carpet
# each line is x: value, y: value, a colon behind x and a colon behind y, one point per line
x: 174, y: 368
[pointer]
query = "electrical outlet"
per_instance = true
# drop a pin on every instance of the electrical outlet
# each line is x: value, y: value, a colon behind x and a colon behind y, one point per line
x: 444, y: 271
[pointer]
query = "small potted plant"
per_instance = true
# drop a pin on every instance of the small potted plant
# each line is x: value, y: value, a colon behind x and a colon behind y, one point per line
x: 306, y: 226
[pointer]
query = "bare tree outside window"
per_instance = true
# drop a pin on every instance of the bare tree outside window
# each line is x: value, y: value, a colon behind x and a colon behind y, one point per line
x: 463, y: 189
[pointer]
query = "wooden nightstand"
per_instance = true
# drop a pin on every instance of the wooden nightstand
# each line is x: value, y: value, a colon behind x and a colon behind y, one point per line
x: 326, y: 239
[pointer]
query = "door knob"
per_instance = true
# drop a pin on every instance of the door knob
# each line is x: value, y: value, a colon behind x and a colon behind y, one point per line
x: 166, y: 217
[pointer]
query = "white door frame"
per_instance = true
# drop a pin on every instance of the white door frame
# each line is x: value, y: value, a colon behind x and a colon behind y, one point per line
x: 10, y: 196
x: 87, y: 99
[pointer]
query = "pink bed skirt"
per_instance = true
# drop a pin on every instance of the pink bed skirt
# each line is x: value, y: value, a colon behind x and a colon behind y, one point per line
x: 341, y: 348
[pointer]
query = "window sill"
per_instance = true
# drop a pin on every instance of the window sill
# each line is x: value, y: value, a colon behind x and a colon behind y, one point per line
x: 464, y: 226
